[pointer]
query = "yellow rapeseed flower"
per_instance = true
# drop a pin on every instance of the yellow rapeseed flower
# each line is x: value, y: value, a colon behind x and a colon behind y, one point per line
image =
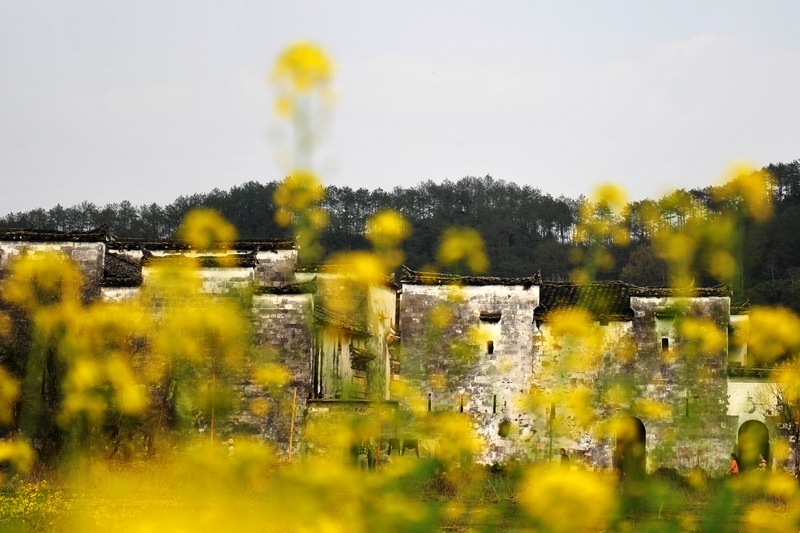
x: 271, y: 375
x: 9, y: 392
x: 206, y: 229
x: 128, y: 393
x: 612, y: 195
x: 652, y: 409
x: 387, y: 228
x: 722, y: 265
x: 6, y: 325
x: 703, y: 336
x: 771, y: 332
x: 463, y: 244
x: 364, y: 267
x: 18, y: 453
x: 303, y: 67
x: 299, y: 191
x: 753, y: 186
x: 45, y: 279
x: 565, y: 501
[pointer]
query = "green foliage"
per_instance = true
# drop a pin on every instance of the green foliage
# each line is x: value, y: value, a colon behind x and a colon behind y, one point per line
x: 28, y: 506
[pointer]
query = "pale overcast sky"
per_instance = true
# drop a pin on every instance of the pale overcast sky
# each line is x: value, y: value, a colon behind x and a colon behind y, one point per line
x: 148, y: 100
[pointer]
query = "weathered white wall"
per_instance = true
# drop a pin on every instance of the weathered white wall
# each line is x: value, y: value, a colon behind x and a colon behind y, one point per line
x: 119, y: 294
x: 489, y: 385
x: 88, y: 255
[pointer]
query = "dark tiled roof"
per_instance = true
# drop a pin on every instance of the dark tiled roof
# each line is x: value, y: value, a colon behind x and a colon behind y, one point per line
x: 741, y: 308
x: 31, y: 235
x: 306, y: 287
x: 690, y: 292
x: 609, y: 300
x: 119, y: 271
x: 414, y: 277
x: 605, y: 300
x: 247, y: 245
x: 101, y: 234
x: 329, y: 318
x: 207, y: 261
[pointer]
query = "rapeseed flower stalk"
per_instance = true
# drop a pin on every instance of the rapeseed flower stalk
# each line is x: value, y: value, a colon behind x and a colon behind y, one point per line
x: 297, y: 200
x: 601, y: 223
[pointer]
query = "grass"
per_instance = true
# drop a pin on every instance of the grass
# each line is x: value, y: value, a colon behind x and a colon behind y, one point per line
x: 463, y: 499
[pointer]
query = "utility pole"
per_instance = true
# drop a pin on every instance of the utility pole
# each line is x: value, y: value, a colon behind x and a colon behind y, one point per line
x: 551, y: 418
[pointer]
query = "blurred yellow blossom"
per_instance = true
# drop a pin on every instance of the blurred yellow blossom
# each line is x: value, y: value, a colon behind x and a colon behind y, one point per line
x: 387, y: 228
x: 652, y: 409
x: 18, y: 453
x: 463, y: 244
x: 296, y: 203
x: 770, y: 333
x: 722, y: 265
x: 567, y: 501
x: 129, y: 394
x: 37, y: 280
x: 299, y: 191
x: 753, y: 186
x: 611, y: 194
x: 9, y: 392
x: 703, y: 336
x: 363, y: 266
x: 206, y: 229
x: 302, y: 67
x: 271, y: 375
x: 6, y: 325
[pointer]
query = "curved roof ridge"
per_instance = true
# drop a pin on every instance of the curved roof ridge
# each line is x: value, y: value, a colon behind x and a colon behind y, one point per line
x: 416, y: 277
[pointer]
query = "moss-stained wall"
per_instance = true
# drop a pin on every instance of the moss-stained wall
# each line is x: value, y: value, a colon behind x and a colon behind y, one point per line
x: 676, y: 387
x: 686, y: 373
x: 283, y: 334
x: 446, y: 349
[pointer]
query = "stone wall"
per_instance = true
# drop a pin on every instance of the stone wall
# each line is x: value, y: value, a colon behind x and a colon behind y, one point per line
x: 88, y: 256
x: 283, y: 333
x: 683, y: 373
x: 275, y: 267
x: 446, y: 352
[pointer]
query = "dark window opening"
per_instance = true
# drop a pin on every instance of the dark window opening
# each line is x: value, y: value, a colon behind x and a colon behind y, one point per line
x: 490, y: 347
x: 664, y: 344
x: 490, y: 317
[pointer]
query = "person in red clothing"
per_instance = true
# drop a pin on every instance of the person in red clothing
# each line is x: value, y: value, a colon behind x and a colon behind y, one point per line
x: 734, y: 468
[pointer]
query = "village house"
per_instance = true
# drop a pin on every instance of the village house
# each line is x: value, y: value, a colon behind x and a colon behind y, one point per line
x: 486, y: 347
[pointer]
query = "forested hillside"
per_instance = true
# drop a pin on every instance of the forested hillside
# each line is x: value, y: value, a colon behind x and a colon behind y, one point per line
x: 525, y: 229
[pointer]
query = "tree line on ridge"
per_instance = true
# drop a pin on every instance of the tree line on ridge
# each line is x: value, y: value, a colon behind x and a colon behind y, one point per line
x: 525, y: 229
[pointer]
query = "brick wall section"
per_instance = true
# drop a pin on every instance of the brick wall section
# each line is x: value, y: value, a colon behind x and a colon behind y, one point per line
x: 275, y: 268
x: 282, y: 326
